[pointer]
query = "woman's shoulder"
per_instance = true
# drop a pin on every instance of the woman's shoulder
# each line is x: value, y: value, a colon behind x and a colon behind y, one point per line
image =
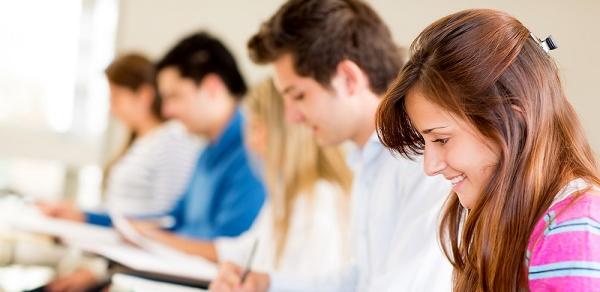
x: 577, y: 205
x: 172, y: 135
x: 564, y: 250
x: 172, y: 129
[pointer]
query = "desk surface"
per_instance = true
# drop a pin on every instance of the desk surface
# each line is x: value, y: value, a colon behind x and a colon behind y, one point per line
x: 104, y: 242
x: 123, y: 282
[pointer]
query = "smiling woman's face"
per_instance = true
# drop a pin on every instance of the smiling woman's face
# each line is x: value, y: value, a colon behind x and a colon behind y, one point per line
x: 453, y: 148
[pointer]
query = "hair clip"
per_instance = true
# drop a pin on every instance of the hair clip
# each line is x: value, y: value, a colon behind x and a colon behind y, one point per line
x: 547, y: 44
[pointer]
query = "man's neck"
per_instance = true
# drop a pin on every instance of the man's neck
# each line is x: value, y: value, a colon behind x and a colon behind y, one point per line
x: 366, y: 124
x: 147, y: 126
x: 222, y: 121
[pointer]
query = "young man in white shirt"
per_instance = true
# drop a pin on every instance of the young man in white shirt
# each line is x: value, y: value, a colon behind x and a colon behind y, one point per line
x: 333, y: 61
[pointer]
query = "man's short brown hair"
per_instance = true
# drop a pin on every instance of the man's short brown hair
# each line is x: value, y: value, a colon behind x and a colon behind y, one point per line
x: 320, y: 34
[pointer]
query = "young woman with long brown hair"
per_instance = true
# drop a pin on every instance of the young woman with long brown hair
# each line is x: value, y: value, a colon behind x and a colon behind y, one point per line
x: 481, y: 98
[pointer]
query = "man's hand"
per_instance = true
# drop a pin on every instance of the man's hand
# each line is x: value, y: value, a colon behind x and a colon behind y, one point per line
x: 62, y: 210
x: 229, y: 279
x: 78, y: 281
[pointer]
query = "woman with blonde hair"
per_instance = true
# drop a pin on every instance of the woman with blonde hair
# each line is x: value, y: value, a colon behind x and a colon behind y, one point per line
x: 302, y: 227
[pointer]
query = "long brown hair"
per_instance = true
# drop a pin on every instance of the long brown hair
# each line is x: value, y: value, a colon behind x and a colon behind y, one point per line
x: 132, y: 71
x: 484, y: 67
x: 294, y: 163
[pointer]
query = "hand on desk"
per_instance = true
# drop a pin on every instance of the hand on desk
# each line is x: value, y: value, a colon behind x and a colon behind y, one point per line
x: 134, y: 231
x: 81, y: 280
x: 229, y: 279
x: 144, y: 228
x: 62, y: 210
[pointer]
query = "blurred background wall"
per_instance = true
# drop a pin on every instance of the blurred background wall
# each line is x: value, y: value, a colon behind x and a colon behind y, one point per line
x: 54, y: 125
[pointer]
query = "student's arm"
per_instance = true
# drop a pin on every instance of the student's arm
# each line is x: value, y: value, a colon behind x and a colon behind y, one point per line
x: 98, y: 218
x: 201, y: 248
x: 62, y: 210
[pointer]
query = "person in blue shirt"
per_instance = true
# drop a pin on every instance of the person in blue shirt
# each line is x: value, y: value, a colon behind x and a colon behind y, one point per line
x: 201, y: 87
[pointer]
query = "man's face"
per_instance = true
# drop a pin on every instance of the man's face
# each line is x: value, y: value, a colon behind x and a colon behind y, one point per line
x: 325, y: 110
x: 184, y: 100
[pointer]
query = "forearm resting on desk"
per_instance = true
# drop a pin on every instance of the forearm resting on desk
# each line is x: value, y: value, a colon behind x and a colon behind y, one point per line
x: 201, y: 248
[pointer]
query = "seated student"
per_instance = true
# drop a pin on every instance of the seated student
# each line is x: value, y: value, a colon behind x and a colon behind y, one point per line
x: 333, y: 61
x: 147, y: 177
x: 481, y: 97
x: 201, y: 86
x: 151, y: 172
x: 302, y: 227
x: 303, y: 230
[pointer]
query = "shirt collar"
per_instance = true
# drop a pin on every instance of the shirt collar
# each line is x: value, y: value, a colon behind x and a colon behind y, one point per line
x: 231, y: 135
x: 360, y: 156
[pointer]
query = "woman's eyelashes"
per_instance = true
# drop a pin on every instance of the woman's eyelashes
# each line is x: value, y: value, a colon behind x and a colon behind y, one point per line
x: 441, y: 140
x: 299, y: 97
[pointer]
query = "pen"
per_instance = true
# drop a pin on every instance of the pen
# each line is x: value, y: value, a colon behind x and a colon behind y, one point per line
x: 250, y: 259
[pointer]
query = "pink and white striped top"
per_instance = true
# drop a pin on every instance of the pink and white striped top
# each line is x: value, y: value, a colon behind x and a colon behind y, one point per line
x: 563, y: 253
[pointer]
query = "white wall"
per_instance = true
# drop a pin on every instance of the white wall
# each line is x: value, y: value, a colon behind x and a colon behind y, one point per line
x: 152, y: 26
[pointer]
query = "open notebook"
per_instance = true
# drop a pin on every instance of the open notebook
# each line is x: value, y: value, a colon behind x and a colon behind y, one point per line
x: 147, y: 255
x: 128, y: 283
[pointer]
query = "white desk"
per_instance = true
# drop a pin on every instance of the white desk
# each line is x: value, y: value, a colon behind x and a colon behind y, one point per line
x: 103, y: 241
x: 126, y: 283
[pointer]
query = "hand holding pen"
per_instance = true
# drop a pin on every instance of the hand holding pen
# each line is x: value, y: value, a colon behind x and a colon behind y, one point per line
x: 232, y: 277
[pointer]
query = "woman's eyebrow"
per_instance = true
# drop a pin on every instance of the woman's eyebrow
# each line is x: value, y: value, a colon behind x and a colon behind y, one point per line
x: 427, y: 131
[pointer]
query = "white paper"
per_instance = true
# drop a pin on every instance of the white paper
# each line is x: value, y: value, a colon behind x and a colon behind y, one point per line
x: 127, y: 283
x: 151, y: 257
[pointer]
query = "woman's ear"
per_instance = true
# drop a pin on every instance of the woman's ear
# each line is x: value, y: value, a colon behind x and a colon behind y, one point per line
x: 146, y: 93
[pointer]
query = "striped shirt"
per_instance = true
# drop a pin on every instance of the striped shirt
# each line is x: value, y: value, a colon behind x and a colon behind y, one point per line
x: 152, y: 174
x: 564, y: 249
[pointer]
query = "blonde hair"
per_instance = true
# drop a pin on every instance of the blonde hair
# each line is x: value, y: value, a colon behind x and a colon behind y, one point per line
x: 294, y: 163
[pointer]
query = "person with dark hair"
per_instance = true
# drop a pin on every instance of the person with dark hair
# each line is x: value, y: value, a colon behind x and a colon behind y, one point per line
x: 333, y: 61
x: 201, y: 86
x: 481, y: 99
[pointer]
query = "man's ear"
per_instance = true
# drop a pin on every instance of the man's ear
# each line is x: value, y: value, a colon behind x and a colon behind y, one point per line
x: 349, y: 79
x: 212, y: 84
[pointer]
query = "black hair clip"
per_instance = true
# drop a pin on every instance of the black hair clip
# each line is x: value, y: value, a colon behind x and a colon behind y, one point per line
x: 547, y: 44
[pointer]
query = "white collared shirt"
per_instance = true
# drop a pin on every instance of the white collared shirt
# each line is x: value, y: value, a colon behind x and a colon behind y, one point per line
x: 317, y: 234
x: 395, y: 210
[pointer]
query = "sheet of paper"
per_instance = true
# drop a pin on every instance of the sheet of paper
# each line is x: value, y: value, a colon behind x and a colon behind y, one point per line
x: 26, y: 217
x: 143, y: 260
x: 127, y: 283
x: 123, y: 225
x: 151, y: 257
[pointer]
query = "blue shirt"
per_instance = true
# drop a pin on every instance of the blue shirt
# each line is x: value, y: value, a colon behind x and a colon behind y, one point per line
x: 224, y: 195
